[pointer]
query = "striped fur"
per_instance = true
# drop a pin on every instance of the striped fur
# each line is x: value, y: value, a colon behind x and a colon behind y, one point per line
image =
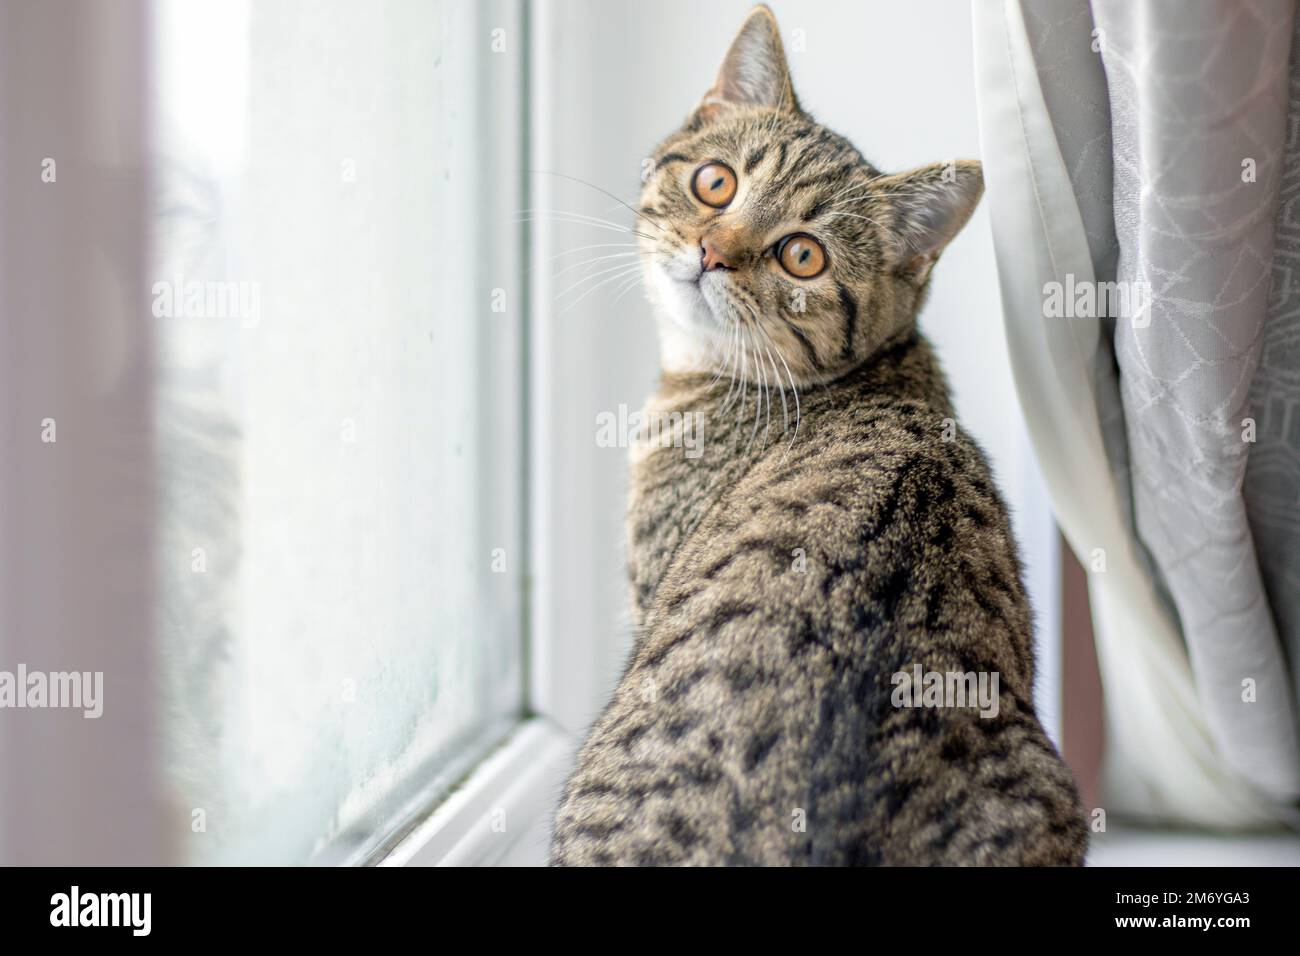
x: 783, y: 577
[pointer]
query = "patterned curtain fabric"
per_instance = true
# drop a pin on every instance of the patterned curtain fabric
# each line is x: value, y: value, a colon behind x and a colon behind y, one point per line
x: 1272, y: 488
x: 1153, y: 145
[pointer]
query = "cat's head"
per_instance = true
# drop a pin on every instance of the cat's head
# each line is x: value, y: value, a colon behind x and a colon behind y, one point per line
x: 766, y: 232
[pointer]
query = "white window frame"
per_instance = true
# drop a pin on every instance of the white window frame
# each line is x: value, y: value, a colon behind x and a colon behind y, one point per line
x: 500, y: 813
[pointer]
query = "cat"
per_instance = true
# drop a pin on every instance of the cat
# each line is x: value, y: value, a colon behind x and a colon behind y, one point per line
x: 795, y: 596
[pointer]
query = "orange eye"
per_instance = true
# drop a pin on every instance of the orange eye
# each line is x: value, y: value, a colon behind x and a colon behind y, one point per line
x: 714, y: 184
x: 801, y: 255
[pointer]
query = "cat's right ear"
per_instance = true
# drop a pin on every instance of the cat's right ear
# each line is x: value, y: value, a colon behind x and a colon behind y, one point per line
x: 754, y: 71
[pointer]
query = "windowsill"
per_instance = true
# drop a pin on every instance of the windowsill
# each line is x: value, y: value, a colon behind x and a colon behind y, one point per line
x: 500, y: 815
x: 1134, y: 846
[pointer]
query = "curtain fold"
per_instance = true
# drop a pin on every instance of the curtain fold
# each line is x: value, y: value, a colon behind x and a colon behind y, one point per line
x: 1272, y: 484
x: 1113, y: 151
x: 1198, y: 118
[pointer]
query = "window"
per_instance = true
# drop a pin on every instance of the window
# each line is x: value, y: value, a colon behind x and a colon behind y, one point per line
x: 338, y: 416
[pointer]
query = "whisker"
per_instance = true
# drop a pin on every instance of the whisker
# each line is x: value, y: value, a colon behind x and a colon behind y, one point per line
x: 788, y: 85
x: 795, y: 389
x: 600, y: 189
x: 744, y: 382
x: 758, y: 399
x: 865, y: 185
x: 594, y: 245
x: 593, y: 261
x: 767, y: 389
x: 734, y: 356
x: 852, y: 215
x: 847, y: 189
x: 766, y: 393
x: 719, y: 358
x: 569, y: 212
x: 723, y: 358
x: 780, y: 382
x: 599, y: 285
x: 599, y: 272
x: 578, y: 219
x: 627, y: 287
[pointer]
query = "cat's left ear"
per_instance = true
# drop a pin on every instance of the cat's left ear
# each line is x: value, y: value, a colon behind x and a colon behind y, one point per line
x: 754, y: 71
x: 931, y: 204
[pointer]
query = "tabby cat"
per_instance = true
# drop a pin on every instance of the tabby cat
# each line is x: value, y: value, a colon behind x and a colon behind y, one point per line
x: 801, y: 578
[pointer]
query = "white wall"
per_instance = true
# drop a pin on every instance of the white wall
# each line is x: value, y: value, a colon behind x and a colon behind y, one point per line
x: 609, y: 80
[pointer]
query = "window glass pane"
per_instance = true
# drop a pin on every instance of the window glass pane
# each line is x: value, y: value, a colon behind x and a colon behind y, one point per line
x: 337, y: 426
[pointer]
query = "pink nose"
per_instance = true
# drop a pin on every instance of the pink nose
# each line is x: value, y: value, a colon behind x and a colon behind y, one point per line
x: 711, y: 257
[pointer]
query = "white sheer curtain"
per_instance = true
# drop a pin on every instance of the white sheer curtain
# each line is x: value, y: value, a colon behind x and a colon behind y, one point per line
x: 76, y: 484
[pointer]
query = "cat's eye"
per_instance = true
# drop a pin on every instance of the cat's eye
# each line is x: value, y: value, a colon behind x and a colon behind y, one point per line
x: 714, y: 184
x: 801, y: 255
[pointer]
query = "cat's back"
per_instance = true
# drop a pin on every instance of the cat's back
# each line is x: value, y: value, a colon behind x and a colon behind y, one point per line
x: 879, y: 480
x: 754, y: 723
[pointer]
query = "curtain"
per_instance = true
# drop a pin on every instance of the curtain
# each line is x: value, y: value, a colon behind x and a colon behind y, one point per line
x: 1142, y: 155
x: 76, y: 526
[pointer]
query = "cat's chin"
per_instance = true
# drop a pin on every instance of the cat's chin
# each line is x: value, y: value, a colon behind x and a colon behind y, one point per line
x: 683, y: 350
x: 690, y: 333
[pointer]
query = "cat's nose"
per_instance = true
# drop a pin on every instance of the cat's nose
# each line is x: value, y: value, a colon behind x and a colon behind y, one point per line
x: 711, y: 257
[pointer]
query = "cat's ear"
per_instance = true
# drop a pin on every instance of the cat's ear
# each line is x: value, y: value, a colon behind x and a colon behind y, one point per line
x: 754, y: 71
x: 931, y: 204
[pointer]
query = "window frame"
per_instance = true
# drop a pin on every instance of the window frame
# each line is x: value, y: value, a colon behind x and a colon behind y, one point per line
x: 499, y: 812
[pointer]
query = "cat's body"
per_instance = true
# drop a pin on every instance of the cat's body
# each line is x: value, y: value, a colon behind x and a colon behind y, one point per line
x: 783, y: 580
